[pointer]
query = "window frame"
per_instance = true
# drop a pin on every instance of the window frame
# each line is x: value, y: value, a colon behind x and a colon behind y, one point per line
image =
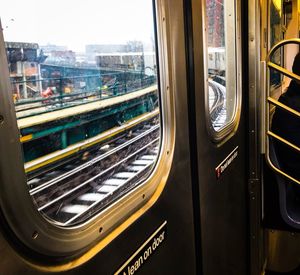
x: 37, y: 240
x: 275, y: 86
x: 229, y: 129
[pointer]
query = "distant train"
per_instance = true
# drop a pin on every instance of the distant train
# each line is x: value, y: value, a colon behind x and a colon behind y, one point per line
x: 127, y: 60
x: 216, y: 60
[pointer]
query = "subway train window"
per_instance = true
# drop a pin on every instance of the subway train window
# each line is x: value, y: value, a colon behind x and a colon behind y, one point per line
x: 221, y: 51
x: 84, y: 85
x: 276, y: 35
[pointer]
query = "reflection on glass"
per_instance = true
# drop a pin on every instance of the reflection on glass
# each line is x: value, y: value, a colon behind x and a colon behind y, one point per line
x: 276, y: 35
x: 84, y: 85
x: 221, y: 35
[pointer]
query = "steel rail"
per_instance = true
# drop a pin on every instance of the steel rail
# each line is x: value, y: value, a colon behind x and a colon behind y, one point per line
x: 97, y: 176
x: 91, y: 162
x: 76, y: 217
x: 39, y: 163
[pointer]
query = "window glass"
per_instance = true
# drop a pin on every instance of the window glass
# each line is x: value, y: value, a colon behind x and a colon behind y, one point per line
x: 276, y: 35
x: 221, y: 62
x: 84, y: 84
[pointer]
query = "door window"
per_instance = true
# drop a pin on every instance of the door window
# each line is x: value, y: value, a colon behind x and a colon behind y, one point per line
x: 222, y: 74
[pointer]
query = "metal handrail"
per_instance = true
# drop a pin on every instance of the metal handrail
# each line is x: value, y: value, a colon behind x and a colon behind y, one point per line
x: 271, y: 101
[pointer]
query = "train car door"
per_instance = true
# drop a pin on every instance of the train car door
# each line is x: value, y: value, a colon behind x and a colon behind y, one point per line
x: 217, y: 100
x: 80, y: 193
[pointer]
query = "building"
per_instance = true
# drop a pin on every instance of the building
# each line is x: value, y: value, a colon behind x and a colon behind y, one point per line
x: 24, y: 67
x: 215, y: 23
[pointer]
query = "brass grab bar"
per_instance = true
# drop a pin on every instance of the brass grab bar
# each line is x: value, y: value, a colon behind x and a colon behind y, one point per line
x: 268, y: 133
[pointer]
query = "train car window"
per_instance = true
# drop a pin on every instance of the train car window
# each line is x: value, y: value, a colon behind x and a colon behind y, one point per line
x: 276, y: 35
x: 84, y: 86
x: 222, y: 74
x: 288, y: 13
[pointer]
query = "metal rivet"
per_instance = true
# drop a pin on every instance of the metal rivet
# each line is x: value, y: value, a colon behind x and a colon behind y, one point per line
x: 35, y: 235
x: 1, y: 119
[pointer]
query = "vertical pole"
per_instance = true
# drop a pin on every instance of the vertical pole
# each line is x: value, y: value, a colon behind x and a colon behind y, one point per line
x: 143, y: 68
x: 60, y: 91
x: 125, y: 81
x: 39, y: 76
x: 24, y: 90
x: 100, y: 84
x: 64, y: 140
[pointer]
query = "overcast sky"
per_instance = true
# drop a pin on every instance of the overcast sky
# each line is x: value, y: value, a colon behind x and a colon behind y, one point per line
x: 76, y: 23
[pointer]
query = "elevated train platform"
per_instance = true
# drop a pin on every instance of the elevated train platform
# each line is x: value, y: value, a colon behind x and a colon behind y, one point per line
x: 65, y: 127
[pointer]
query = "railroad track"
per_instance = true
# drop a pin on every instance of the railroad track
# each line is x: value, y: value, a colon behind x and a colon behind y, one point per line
x: 217, y: 108
x: 72, y: 195
x: 48, y: 165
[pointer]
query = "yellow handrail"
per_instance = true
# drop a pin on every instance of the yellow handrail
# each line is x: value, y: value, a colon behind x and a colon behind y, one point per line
x: 272, y: 101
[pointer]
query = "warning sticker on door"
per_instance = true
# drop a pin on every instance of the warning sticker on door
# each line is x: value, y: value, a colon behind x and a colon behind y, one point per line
x: 146, y: 250
x: 226, y: 162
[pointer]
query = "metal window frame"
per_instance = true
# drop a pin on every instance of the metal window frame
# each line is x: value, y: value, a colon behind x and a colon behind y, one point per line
x: 38, y: 241
x: 230, y: 128
x: 269, y: 37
